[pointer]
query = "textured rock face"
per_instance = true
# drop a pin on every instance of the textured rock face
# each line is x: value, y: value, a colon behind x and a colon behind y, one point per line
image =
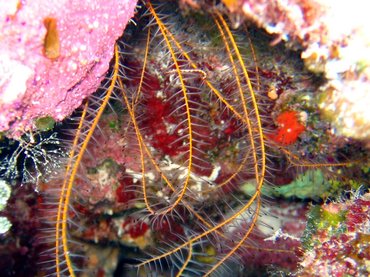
x: 53, y: 54
x: 337, y: 239
x: 335, y: 40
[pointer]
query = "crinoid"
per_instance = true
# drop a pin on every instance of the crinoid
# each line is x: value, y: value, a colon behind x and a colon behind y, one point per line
x: 160, y: 153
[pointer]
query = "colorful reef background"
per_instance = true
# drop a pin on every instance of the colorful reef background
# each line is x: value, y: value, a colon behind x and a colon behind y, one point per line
x: 184, y: 138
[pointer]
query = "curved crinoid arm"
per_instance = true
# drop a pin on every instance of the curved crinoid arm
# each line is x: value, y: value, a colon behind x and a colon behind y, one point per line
x: 184, y: 103
x: 177, y: 112
x: 61, y: 193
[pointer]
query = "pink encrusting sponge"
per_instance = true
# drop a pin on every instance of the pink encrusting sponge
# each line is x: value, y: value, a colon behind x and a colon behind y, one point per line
x: 53, y: 54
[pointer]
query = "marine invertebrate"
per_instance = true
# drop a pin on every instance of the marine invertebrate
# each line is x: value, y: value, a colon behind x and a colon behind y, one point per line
x: 289, y: 128
x: 31, y: 156
x: 174, y: 172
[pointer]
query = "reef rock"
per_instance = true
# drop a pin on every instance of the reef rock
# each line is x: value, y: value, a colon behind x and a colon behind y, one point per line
x: 53, y: 54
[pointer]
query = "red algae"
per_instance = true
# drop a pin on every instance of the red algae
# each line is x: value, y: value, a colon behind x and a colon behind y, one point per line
x: 123, y: 192
x: 134, y: 227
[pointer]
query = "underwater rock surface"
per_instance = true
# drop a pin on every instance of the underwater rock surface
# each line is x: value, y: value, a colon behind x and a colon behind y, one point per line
x: 53, y: 54
x: 202, y: 153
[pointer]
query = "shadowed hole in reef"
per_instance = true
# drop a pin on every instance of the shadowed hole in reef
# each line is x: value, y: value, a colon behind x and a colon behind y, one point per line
x: 170, y: 159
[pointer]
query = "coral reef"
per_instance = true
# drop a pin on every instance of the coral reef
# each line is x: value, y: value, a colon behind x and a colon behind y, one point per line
x: 20, y: 245
x: 199, y: 155
x: 337, y: 239
x: 164, y: 149
x: 53, y: 55
x: 335, y: 41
